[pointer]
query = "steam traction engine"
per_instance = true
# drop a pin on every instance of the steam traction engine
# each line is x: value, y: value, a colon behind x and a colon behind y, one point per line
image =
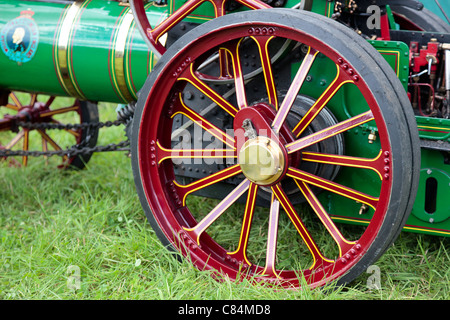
x: 317, y: 130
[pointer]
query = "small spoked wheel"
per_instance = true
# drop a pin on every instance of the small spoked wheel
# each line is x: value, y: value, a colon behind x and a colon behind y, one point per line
x: 323, y: 133
x: 31, y: 122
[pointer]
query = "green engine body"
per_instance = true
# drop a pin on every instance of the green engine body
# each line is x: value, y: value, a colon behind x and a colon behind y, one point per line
x: 91, y: 50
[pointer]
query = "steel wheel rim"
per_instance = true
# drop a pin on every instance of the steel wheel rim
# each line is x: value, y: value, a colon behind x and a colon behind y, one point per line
x: 206, y: 254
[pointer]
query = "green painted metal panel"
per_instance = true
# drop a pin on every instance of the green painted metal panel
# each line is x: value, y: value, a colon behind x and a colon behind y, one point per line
x: 431, y: 211
x: 433, y: 128
x: 397, y: 55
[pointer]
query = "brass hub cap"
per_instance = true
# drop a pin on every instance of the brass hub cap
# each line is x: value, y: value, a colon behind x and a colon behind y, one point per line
x: 261, y: 160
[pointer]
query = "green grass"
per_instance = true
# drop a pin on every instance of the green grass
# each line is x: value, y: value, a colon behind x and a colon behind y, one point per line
x: 51, y: 220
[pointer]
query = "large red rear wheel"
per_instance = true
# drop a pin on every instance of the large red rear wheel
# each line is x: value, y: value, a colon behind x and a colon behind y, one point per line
x: 275, y: 148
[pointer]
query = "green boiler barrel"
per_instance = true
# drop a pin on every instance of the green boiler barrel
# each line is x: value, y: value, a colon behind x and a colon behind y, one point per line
x: 91, y: 49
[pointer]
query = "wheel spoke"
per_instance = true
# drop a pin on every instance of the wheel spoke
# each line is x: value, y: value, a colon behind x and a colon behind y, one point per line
x: 332, y: 186
x: 263, y: 47
x: 190, y: 76
x: 342, y: 243
x: 376, y: 164
x: 233, y: 51
x: 205, y: 124
x: 254, y: 4
x: 319, y: 259
x: 33, y: 99
x: 272, y: 238
x: 49, y: 101
x: 12, y: 107
x: 49, y: 139
x: 225, y: 65
x: 329, y: 132
x: 330, y: 91
x: 220, y: 10
x: 45, y: 149
x: 294, y: 88
x: 196, y: 231
x: 16, y: 139
x: 13, y: 96
x: 184, y: 190
x: 163, y: 153
x: 219, y: 7
x: 241, y: 252
x: 52, y: 142
x: 58, y: 111
x: 26, y: 144
x: 172, y: 21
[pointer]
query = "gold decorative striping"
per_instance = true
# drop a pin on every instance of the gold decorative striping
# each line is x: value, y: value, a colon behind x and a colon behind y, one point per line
x: 64, y: 40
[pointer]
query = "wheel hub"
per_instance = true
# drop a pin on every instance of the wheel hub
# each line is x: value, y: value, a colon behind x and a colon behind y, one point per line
x: 261, y: 160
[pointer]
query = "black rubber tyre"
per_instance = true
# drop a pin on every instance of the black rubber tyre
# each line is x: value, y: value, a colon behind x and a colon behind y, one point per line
x: 423, y: 20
